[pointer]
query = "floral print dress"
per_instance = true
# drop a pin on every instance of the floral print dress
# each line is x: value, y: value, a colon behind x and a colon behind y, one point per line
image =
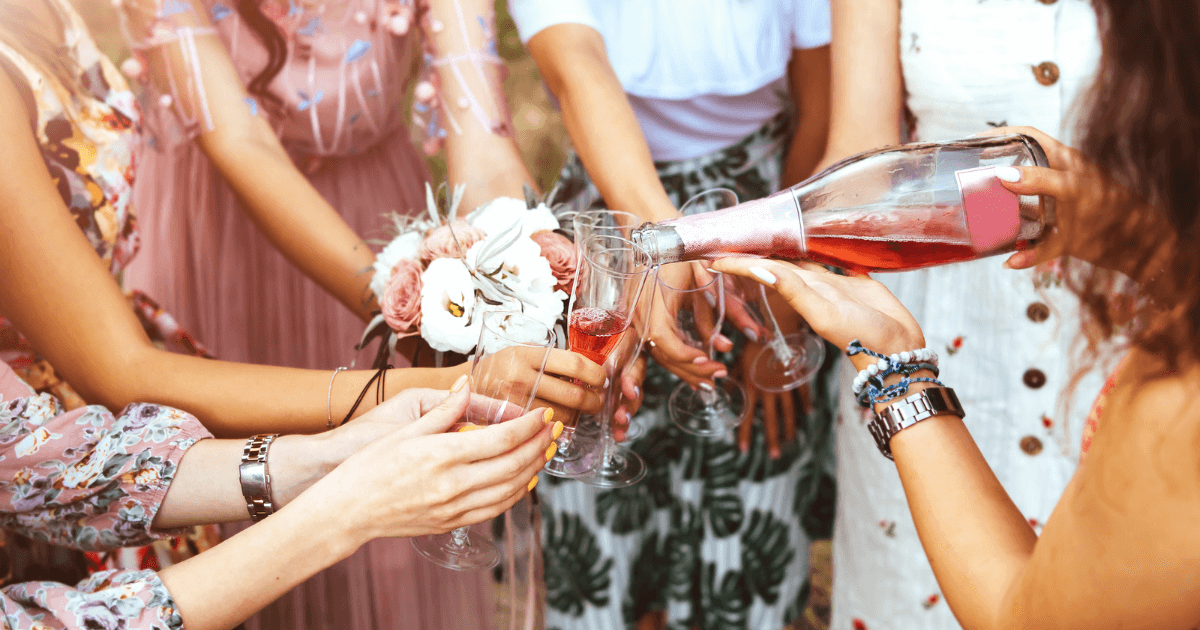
x: 87, y: 480
x: 87, y: 142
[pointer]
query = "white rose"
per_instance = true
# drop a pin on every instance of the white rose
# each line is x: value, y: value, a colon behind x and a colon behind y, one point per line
x: 404, y: 246
x: 449, y: 322
x: 500, y: 214
x: 525, y: 273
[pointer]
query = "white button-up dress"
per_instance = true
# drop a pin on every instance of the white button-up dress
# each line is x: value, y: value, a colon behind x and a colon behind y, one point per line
x: 1005, y: 338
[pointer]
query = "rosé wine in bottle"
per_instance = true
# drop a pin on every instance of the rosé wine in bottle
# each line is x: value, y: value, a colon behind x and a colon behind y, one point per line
x: 895, y: 209
x: 594, y: 332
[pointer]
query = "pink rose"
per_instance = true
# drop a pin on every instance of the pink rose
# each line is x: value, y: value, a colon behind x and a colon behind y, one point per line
x: 440, y: 244
x: 402, y: 300
x: 560, y: 253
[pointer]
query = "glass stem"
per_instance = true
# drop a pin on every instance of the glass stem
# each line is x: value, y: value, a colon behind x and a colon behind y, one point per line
x: 777, y: 343
x: 459, y: 540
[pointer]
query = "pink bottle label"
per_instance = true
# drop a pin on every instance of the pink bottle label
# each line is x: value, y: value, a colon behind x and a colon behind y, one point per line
x: 993, y: 211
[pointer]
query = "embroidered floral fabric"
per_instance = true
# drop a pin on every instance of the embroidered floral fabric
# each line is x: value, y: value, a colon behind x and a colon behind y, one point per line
x: 90, y: 481
x: 347, y: 73
x: 87, y: 145
x: 88, y: 142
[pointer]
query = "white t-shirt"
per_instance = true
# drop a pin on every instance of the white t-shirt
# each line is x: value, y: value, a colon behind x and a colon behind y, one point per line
x: 700, y: 74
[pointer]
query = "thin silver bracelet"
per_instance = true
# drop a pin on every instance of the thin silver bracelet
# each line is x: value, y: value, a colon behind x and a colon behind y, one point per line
x: 329, y: 400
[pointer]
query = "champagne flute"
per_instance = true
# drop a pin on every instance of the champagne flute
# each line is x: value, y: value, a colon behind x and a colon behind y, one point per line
x: 588, y: 223
x: 610, y: 283
x: 507, y: 341
x: 697, y: 313
x: 786, y: 362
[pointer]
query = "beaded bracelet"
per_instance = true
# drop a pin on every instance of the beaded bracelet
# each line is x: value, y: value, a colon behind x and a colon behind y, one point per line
x: 869, y: 388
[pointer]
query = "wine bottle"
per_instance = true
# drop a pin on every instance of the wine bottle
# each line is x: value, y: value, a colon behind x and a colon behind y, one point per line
x: 894, y: 209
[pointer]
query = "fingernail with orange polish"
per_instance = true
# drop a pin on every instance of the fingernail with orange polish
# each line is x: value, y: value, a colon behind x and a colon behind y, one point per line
x: 547, y: 416
x: 532, y: 483
x: 469, y: 427
x: 551, y: 450
x: 557, y: 430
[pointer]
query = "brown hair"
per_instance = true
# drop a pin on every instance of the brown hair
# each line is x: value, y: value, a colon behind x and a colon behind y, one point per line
x: 1142, y: 129
x: 272, y: 39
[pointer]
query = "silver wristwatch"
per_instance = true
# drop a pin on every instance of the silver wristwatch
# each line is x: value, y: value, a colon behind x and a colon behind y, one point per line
x: 256, y: 479
x: 907, y: 411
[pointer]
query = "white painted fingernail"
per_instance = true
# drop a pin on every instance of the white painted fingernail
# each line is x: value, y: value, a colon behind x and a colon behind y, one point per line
x: 700, y: 360
x: 711, y: 299
x: 637, y: 391
x: 750, y: 333
x: 720, y: 374
x: 706, y: 386
x: 1008, y: 174
x: 764, y: 275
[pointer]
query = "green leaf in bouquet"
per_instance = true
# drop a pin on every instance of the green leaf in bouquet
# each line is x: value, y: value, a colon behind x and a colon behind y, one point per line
x: 765, y: 555
x: 576, y: 573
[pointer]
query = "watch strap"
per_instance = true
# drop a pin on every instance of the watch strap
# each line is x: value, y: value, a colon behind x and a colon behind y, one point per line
x: 256, y: 477
x: 907, y: 411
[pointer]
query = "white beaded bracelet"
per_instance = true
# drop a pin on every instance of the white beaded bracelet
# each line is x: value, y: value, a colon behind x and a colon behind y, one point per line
x: 891, y: 364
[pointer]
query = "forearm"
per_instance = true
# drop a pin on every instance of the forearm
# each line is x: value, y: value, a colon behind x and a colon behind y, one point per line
x: 600, y: 121
x: 238, y: 400
x: 206, y: 487
x: 489, y: 165
x: 221, y: 587
x: 809, y: 81
x: 808, y: 147
x: 866, y: 92
x: 291, y: 213
x: 977, y: 541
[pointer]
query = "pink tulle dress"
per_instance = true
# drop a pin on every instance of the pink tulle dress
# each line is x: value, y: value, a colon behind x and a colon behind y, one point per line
x: 344, y: 121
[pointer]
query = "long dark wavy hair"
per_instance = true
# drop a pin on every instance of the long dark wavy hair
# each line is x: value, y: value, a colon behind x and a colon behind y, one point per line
x: 273, y: 40
x: 1141, y: 127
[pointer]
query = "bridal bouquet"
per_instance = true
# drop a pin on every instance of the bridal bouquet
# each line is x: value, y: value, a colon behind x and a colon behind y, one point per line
x: 441, y: 273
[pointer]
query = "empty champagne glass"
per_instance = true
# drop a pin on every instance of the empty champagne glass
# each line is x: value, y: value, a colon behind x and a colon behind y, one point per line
x: 696, y: 314
x: 602, y: 222
x: 786, y: 361
x: 508, y: 341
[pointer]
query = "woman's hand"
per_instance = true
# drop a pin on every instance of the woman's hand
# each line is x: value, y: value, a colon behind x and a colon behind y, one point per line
x: 666, y: 346
x: 571, y: 383
x: 631, y: 397
x: 779, y: 409
x: 839, y: 308
x: 422, y: 480
x: 1087, y: 204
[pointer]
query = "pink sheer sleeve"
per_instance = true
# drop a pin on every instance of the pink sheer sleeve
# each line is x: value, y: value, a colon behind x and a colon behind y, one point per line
x: 463, y: 75
x: 162, y: 35
x: 86, y: 479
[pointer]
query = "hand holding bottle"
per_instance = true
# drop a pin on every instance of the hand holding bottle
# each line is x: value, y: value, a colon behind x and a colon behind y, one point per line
x: 1087, y: 204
